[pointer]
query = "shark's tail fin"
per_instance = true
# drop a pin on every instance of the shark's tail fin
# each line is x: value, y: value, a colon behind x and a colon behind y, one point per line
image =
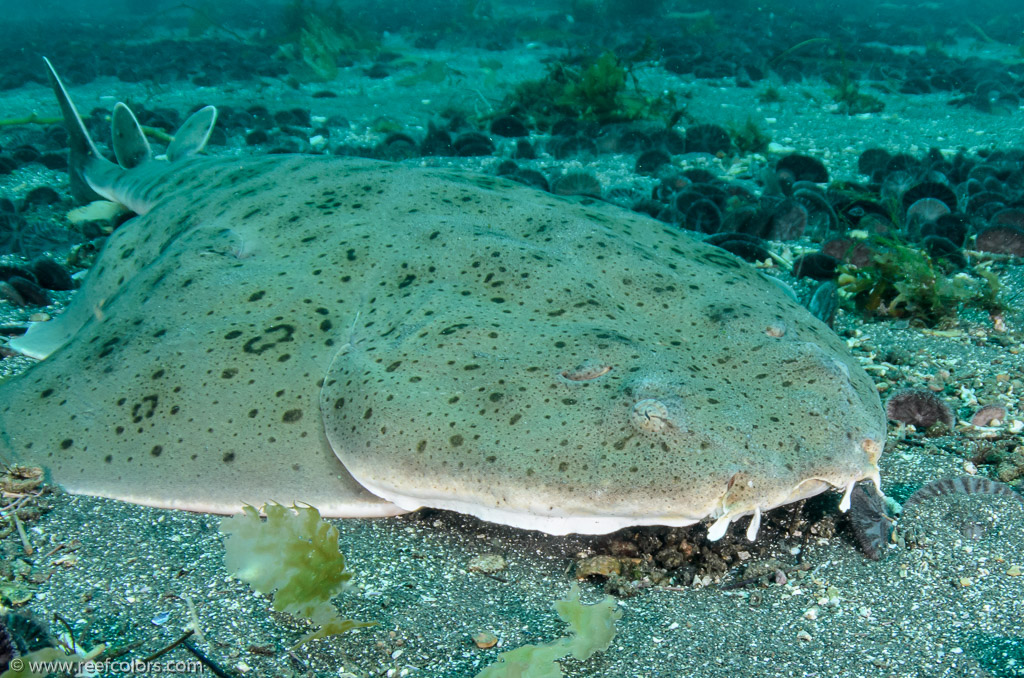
x: 92, y: 175
x: 85, y: 159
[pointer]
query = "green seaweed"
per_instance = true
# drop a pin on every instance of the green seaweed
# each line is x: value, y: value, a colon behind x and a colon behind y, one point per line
x: 748, y: 137
x: 902, y: 281
x: 770, y: 95
x: 591, y: 627
x: 595, y: 93
x: 315, y: 38
x: 846, y: 92
x: 598, y: 91
x: 852, y: 101
x: 294, y: 553
x: 32, y: 118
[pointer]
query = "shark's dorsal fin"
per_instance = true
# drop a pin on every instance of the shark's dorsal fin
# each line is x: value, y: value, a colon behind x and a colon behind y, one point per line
x: 87, y: 166
x: 193, y: 134
x: 130, y: 145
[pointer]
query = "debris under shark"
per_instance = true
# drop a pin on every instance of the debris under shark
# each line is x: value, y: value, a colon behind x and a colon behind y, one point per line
x: 370, y: 338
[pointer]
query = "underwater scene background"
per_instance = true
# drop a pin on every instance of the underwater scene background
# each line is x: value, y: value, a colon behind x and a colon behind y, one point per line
x: 866, y: 156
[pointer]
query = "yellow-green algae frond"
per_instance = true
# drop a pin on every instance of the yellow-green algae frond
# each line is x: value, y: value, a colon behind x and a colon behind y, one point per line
x: 294, y: 553
x: 592, y: 629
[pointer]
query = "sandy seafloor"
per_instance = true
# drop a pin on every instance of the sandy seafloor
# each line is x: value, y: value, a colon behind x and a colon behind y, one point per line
x: 948, y: 608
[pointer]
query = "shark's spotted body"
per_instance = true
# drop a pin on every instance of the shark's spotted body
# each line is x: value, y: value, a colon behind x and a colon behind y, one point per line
x: 299, y: 328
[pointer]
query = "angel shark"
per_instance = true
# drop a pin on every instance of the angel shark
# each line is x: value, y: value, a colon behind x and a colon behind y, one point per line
x: 371, y: 338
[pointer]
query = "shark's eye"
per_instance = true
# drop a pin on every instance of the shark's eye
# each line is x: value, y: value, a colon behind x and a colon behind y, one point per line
x: 586, y: 371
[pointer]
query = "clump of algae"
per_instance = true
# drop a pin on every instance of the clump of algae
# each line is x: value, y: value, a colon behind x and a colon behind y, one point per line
x: 597, y: 91
x: 904, y: 281
x: 294, y: 553
x: 592, y: 628
x: 316, y: 37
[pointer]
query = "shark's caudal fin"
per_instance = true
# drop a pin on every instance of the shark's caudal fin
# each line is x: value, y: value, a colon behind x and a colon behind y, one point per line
x: 85, y: 159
